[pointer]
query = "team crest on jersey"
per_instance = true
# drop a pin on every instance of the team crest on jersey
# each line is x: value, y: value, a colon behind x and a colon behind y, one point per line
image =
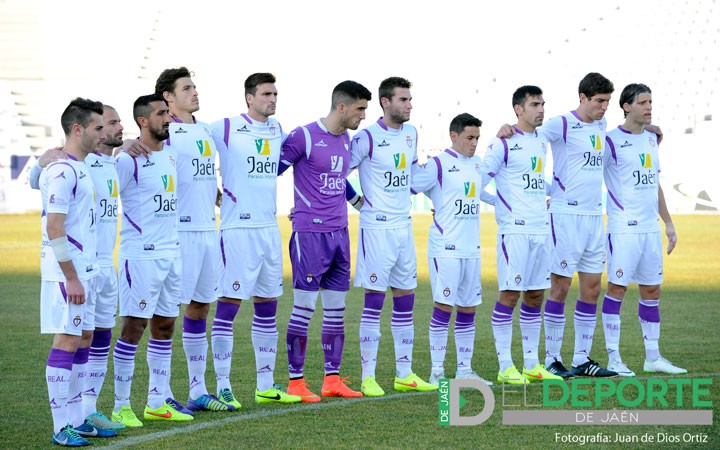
x: 446, y: 292
x: 272, y: 129
x: 309, y: 278
x: 204, y: 148
x: 619, y: 273
x: 563, y: 264
x: 168, y: 183
x: 596, y: 142
x: 172, y: 160
x: 645, y: 160
x: 373, y: 278
x: 112, y: 188
x: 651, y: 140
x: 518, y: 279
x: 76, y: 321
x: 536, y: 164
x: 469, y: 189
x: 142, y: 305
x: 336, y: 163
x: 409, y: 141
x: 400, y: 162
x: 263, y: 147
x: 544, y: 148
x: 236, y: 285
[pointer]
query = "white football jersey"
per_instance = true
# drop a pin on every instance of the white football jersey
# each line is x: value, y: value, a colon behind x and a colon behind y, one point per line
x: 518, y: 166
x: 196, y: 181
x: 104, y: 177
x: 249, y: 154
x: 385, y: 159
x: 577, y: 150
x: 149, y: 206
x: 66, y: 188
x: 631, y: 175
x: 452, y: 182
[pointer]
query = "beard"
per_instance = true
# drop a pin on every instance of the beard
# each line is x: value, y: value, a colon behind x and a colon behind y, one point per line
x: 113, y: 141
x: 161, y: 134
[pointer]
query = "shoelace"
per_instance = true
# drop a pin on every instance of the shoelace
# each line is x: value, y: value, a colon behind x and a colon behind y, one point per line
x: 226, y: 395
x: 279, y: 388
x: 174, y: 403
x: 72, y: 432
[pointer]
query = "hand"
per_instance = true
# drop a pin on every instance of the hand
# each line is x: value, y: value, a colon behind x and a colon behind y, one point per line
x: 655, y: 129
x: 218, y: 199
x: 292, y: 213
x: 134, y: 148
x: 50, y: 156
x: 75, y: 291
x: 506, y: 131
x: 672, y: 237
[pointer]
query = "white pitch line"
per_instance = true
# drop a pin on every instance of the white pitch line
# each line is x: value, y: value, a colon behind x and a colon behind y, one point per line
x: 127, y: 442
x: 123, y: 443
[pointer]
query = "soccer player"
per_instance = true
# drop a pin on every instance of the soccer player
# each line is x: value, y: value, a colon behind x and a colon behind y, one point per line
x: 319, y: 245
x: 451, y: 180
x: 577, y: 139
x: 523, y: 240
x: 69, y: 270
x: 101, y: 167
x: 634, y: 244
x: 385, y: 154
x: 192, y: 143
x: 150, y: 266
x: 249, y: 146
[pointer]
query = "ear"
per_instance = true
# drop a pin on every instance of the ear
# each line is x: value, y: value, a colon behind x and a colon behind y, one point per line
x: 142, y: 121
x: 583, y: 98
x: 167, y: 95
x: 453, y: 136
x: 626, y: 107
x: 248, y: 98
x: 518, y: 109
x: 77, y: 129
x: 384, y: 101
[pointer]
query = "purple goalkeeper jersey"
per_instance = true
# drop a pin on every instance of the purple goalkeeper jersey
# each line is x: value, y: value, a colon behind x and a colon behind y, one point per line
x: 320, y: 160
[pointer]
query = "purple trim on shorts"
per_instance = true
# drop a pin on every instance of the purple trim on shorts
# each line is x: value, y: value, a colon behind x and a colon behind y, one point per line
x: 651, y: 312
x: 222, y: 252
x: 194, y: 326
x: 61, y: 359
x: 552, y: 230
x: 610, y: 246
x: 436, y: 265
x: 226, y: 133
x: 503, y: 200
x: 615, y: 200
x: 370, y: 143
x: 135, y: 170
x: 439, y: 169
x: 63, y: 291
x: 612, y: 147
x: 504, y: 249
x: 564, y: 123
x: 74, y: 242
x: 451, y: 153
x: 43, y: 213
x: 555, y: 177
x: 505, y: 146
x: 132, y: 223
x: 587, y: 308
x: 127, y: 274
x: 362, y: 242
x: 81, y: 355
x: 611, y: 305
x: 367, y: 200
x: 438, y: 226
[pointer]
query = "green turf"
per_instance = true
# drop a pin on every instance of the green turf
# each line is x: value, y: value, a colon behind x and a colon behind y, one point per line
x: 690, y: 337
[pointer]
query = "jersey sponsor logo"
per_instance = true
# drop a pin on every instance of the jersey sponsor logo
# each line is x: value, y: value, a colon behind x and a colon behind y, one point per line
x: 112, y: 188
x: 645, y: 160
x: 577, y: 126
x: 453, y: 169
x: 180, y: 131
x: 469, y: 189
x: 447, y: 292
x: 148, y: 163
x: 244, y: 216
x: 96, y: 164
x: 572, y: 203
x: 336, y: 163
x: 409, y: 141
x: 263, y: 147
x: 204, y: 148
x: 185, y: 219
x: 77, y: 320
x: 400, y: 162
x: 380, y: 218
x: 632, y: 223
x: 515, y: 147
x: 536, y: 164
x: 384, y: 144
x: 596, y: 142
x: 626, y: 144
x: 168, y: 183
x: 244, y: 129
x: 520, y: 222
x: 449, y: 246
x: 149, y: 247
x: 317, y: 221
x: 321, y: 143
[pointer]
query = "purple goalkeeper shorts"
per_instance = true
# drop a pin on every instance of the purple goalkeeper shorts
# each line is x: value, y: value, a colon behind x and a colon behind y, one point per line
x: 320, y: 260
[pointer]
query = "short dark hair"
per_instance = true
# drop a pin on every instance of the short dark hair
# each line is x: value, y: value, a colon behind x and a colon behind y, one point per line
x: 523, y: 92
x: 256, y: 79
x: 388, y: 85
x: 593, y: 84
x: 142, y: 108
x: 349, y: 92
x: 630, y: 93
x: 79, y: 111
x: 463, y: 120
x: 168, y: 77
